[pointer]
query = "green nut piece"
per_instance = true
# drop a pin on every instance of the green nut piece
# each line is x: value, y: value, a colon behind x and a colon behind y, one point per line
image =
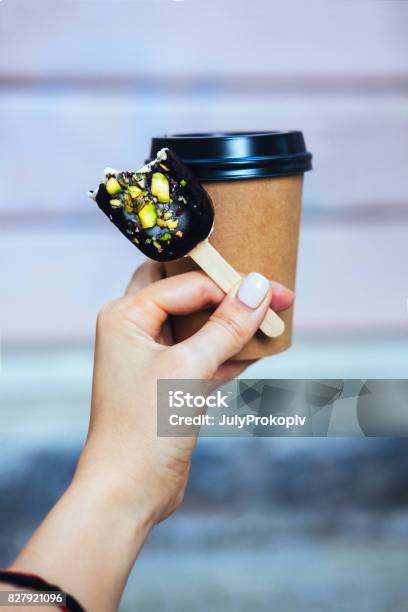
x: 160, y: 187
x: 172, y: 224
x: 127, y: 199
x: 112, y: 186
x: 134, y: 191
x: 115, y: 203
x: 183, y: 182
x: 123, y: 179
x: 140, y: 179
x: 165, y: 236
x: 148, y: 216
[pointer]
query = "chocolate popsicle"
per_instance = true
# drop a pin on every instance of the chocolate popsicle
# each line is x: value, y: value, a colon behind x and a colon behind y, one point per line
x: 163, y: 210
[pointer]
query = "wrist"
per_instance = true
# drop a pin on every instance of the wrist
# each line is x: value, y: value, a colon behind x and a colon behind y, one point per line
x: 126, y: 497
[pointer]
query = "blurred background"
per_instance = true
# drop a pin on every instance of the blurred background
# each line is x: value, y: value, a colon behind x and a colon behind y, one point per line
x: 282, y: 524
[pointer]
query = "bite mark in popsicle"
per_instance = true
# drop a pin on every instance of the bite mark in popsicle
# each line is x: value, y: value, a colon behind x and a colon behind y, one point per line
x: 167, y: 214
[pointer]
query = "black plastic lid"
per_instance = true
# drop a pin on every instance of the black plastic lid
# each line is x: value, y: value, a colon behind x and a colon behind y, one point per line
x: 227, y: 156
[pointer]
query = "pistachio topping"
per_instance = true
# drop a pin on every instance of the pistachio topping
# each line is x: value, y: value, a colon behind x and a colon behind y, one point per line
x: 148, y: 216
x: 123, y: 179
x: 112, y: 186
x: 160, y: 187
x: 134, y: 191
x: 160, y: 208
x: 128, y: 199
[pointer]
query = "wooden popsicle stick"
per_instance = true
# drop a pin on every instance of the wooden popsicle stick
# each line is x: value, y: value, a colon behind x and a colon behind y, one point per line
x: 222, y: 273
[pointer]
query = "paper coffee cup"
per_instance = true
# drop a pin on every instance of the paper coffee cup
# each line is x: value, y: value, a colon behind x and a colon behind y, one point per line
x: 255, y: 182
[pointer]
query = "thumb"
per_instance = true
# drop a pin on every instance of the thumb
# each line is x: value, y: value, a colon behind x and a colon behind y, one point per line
x: 231, y: 326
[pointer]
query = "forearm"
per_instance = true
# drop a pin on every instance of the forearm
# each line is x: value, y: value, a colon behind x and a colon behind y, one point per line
x: 88, y: 543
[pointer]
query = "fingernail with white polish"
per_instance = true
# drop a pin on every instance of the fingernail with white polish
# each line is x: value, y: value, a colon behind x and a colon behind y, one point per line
x: 253, y: 289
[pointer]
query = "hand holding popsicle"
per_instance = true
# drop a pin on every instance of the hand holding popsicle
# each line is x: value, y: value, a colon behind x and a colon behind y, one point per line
x: 129, y: 478
x: 165, y: 212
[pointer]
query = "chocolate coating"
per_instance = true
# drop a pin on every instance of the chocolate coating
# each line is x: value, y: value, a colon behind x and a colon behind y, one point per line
x: 164, y: 217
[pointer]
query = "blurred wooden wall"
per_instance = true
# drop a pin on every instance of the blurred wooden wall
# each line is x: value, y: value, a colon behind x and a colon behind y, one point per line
x: 84, y: 84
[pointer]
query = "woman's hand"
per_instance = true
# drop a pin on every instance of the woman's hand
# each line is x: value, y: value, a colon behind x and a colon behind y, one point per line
x: 133, y: 352
x: 128, y: 478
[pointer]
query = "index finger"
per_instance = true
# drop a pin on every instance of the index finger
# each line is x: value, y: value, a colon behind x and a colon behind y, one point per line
x: 177, y: 295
